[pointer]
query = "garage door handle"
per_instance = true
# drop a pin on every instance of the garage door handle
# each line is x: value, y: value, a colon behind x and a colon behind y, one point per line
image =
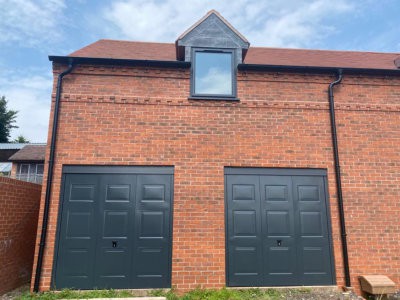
x: 114, y: 244
x: 279, y: 242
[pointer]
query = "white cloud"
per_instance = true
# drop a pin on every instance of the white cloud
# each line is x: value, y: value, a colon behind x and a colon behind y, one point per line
x: 277, y: 23
x: 30, y: 96
x: 30, y: 23
x: 299, y: 27
x: 214, y: 82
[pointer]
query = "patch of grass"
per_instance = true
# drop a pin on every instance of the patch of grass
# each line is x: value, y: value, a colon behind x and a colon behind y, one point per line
x: 224, y: 294
x: 73, y: 294
x: 170, y: 295
x: 197, y: 294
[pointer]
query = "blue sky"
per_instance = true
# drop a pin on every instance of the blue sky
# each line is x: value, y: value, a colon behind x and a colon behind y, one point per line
x: 30, y: 30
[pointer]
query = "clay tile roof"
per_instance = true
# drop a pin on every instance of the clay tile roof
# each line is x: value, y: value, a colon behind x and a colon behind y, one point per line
x: 128, y: 50
x: 30, y: 153
x: 321, y: 58
x: 256, y: 55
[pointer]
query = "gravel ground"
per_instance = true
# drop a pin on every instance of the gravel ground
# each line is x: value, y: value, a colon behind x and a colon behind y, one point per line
x: 15, y: 293
x: 321, y: 295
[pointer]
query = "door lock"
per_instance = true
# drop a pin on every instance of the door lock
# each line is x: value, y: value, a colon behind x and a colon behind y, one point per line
x: 114, y: 244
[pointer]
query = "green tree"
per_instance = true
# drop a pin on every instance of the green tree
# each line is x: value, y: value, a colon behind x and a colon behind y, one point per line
x: 7, y: 119
x: 21, y: 139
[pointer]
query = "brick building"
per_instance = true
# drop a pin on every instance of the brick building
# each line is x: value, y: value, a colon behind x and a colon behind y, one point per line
x: 209, y: 162
x: 28, y: 163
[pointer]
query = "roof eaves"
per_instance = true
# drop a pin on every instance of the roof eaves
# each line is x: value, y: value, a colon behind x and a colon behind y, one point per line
x: 185, y: 65
x: 316, y: 69
x: 119, y: 61
x: 25, y: 160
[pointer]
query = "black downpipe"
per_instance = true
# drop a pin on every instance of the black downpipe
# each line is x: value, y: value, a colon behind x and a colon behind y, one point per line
x: 49, y: 178
x: 338, y: 179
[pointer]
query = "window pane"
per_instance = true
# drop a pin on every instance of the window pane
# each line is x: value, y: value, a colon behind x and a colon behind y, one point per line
x: 39, y: 169
x: 213, y: 73
x: 24, y: 169
x: 39, y: 179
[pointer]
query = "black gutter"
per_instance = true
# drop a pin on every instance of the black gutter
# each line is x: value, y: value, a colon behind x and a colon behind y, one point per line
x: 50, y: 176
x: 315, y: 69
x: 121, y: 62
x: 241, y: 67
x: 338, y: 178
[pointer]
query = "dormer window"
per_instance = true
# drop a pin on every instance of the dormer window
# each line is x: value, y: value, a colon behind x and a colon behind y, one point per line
x: 213, y: 73
x: 214, y: 49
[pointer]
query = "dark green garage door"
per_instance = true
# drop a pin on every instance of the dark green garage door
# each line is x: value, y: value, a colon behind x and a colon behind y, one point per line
x: 115, y: 228
x: 278, y: 231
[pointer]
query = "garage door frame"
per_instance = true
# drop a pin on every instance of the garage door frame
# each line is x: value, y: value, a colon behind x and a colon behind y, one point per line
x: 278, y: 172
x: 96, y: 169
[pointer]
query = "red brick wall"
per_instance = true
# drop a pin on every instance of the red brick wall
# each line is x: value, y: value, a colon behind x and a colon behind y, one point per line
x: 19, y: 207
x: 143, y: 117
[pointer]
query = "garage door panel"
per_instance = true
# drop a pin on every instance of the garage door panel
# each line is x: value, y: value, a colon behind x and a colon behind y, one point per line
x: 313, y: 260
x: 288, y: 214
x: 243, y: 192
x: 280, y: 260
x: 105, y: 219
x: 118, y: 193
x: 277, y: 207
x: 79, y: 224
x: 82, y: 265
x: 77, y: 271
x: 307, y: 193
x: 278, y: 265
x: 116, y: 224
x: 311, y: 224
x: 313, y: 239
x: 152, y: 225
x: 316, y: 268
x: 278, y: 230
x: 247, y: 263
x: 153, y: 192
x: 278, y: 224
x: 151, y: 264
x: 245, y: 267
x: 244, y: 223
x: 81, y: 192
x: 114, y: 270
x: 77, y: 231
x: 114, y: 239
x: 244, y: 229
x: 153, y: 210
x: 275, y: 192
